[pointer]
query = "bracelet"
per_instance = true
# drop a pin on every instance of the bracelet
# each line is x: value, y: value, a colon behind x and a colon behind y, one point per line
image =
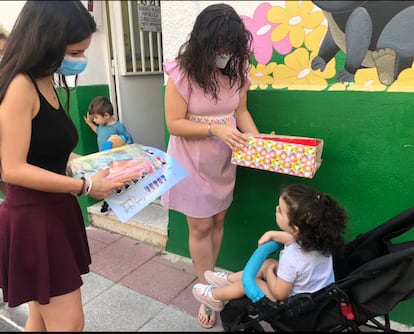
x: 80, y: 193
x: 209, y: 130
x: 88, y: 190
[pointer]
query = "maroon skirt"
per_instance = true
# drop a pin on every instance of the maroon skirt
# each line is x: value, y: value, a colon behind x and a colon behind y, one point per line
x: 43, y: 245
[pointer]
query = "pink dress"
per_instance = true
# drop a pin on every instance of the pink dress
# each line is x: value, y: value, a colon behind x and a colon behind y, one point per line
x: 208, y: 188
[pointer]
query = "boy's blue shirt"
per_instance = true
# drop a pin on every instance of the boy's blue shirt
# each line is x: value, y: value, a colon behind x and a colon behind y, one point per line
x: 103, y: 133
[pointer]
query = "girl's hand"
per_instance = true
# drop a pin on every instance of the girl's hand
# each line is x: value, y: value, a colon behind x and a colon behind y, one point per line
x: 267, y: 236
x: 102, y: 186
x: 278, y: 236
x: 269, y: 268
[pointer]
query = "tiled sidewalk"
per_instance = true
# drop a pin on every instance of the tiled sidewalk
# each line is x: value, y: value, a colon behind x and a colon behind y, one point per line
x: 150, y: 273
x: 144, y: 269
x: 132, y: 287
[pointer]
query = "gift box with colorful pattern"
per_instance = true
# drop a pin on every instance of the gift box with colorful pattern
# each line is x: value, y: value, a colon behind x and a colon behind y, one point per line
x: 298, y: 156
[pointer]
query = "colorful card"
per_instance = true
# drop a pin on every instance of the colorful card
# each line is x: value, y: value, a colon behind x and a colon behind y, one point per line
x: 147, y: 171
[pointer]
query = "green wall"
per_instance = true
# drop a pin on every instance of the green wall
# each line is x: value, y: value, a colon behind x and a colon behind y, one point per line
x: 367, y: 163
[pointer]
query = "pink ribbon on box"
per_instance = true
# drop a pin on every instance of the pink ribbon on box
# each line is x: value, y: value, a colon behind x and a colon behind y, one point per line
x: 290, y: 139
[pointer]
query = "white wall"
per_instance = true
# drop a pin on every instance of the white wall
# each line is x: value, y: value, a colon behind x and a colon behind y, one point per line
x: 9, y: 10
x: 98, y: 69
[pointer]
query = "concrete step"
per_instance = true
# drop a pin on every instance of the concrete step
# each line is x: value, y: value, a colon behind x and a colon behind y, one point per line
x: 149, y: 226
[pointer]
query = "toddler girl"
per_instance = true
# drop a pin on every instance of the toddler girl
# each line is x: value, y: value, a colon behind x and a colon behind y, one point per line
x: 312, y: 227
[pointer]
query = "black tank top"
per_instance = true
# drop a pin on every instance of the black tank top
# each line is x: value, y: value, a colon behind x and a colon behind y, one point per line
x: 54, y: 136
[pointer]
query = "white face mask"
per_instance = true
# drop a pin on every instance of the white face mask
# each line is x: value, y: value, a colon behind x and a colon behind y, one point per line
x: 222, y: 60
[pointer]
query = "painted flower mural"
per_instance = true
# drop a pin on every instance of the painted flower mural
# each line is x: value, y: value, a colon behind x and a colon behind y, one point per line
x: 404, y: 82
x: 296, y: 73
x: 261, y: 75
x: 293, y: 20
x: 287, y: 37
x: 261, y: 30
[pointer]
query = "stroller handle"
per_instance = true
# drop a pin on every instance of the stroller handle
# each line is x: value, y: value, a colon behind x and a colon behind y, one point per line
x: 252, y: 267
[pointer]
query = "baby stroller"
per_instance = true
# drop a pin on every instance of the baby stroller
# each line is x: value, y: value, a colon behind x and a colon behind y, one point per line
x: 373, y: 274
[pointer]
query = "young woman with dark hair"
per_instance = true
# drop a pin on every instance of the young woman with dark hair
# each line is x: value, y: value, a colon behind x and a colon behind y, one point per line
x: 207, y: 116
x: 44, y: 248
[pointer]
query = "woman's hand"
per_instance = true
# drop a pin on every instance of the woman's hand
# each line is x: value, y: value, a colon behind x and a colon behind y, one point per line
x: 102, y: 186
x: 74, y: 155
x: 230, y: 135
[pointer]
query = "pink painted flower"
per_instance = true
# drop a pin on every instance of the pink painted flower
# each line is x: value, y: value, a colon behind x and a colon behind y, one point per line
x: 261, y: 29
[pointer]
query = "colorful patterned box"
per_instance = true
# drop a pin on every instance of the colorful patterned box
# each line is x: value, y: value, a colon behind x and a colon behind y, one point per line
x: 298, y: 156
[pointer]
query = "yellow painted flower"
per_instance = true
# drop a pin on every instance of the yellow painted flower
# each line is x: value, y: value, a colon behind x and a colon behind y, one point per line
x: 338, y: 86
x: 404, y: 82
x: 294, y: 20
x: 313, y: 40
x: 297, y: 73
x: 366, y: 79
x: 261, y: 75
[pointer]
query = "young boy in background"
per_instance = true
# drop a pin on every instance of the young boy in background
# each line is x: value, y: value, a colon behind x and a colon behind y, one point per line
x: 101, y: 120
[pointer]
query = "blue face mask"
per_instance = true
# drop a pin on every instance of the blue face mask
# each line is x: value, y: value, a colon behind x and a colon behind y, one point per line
x: 72, y: 65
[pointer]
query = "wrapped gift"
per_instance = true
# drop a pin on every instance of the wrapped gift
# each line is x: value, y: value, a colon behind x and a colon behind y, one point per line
x: 298, y: 156
x: 147, y: 172
x: 128, y: 163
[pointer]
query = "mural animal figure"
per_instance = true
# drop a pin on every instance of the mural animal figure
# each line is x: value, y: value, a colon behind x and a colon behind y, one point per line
x: 371, y: 33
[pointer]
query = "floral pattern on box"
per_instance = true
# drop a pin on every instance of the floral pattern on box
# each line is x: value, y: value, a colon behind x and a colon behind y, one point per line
x: 298, y: 156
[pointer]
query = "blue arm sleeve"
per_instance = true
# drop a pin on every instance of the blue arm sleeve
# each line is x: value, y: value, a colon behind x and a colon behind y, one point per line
x: 107, y: 146
x: 252, y: 268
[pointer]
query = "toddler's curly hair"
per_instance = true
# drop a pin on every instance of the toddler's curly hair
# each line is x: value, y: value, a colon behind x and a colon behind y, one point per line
x: 319, y: 217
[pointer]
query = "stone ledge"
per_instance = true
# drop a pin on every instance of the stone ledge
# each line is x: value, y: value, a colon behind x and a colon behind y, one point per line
x: 149, y: 226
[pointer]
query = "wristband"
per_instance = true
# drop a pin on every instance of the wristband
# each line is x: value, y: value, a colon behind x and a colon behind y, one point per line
x: 80, y: 193
x: 209, y: 130
x: 88, y: 190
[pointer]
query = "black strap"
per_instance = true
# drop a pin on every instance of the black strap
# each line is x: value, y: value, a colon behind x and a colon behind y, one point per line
x: 35, y: 84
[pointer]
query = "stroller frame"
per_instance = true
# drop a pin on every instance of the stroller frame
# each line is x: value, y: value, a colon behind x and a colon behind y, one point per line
x: 373, y: 275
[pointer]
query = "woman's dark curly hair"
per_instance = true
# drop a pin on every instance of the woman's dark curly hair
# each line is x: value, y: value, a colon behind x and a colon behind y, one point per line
x: 320, y: 219
x: 217, y: 29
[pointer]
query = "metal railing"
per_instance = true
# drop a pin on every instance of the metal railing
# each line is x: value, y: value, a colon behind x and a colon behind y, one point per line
x: 143, y: 52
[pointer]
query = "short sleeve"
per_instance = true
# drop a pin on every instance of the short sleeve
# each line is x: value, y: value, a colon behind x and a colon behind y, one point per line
x: 173, y: 70
x: 122, y: 130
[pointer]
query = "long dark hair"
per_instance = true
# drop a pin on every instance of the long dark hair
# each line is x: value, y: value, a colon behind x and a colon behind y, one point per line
x: 218, y: 28
x: 37, y: 43
x: 319, y: 217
